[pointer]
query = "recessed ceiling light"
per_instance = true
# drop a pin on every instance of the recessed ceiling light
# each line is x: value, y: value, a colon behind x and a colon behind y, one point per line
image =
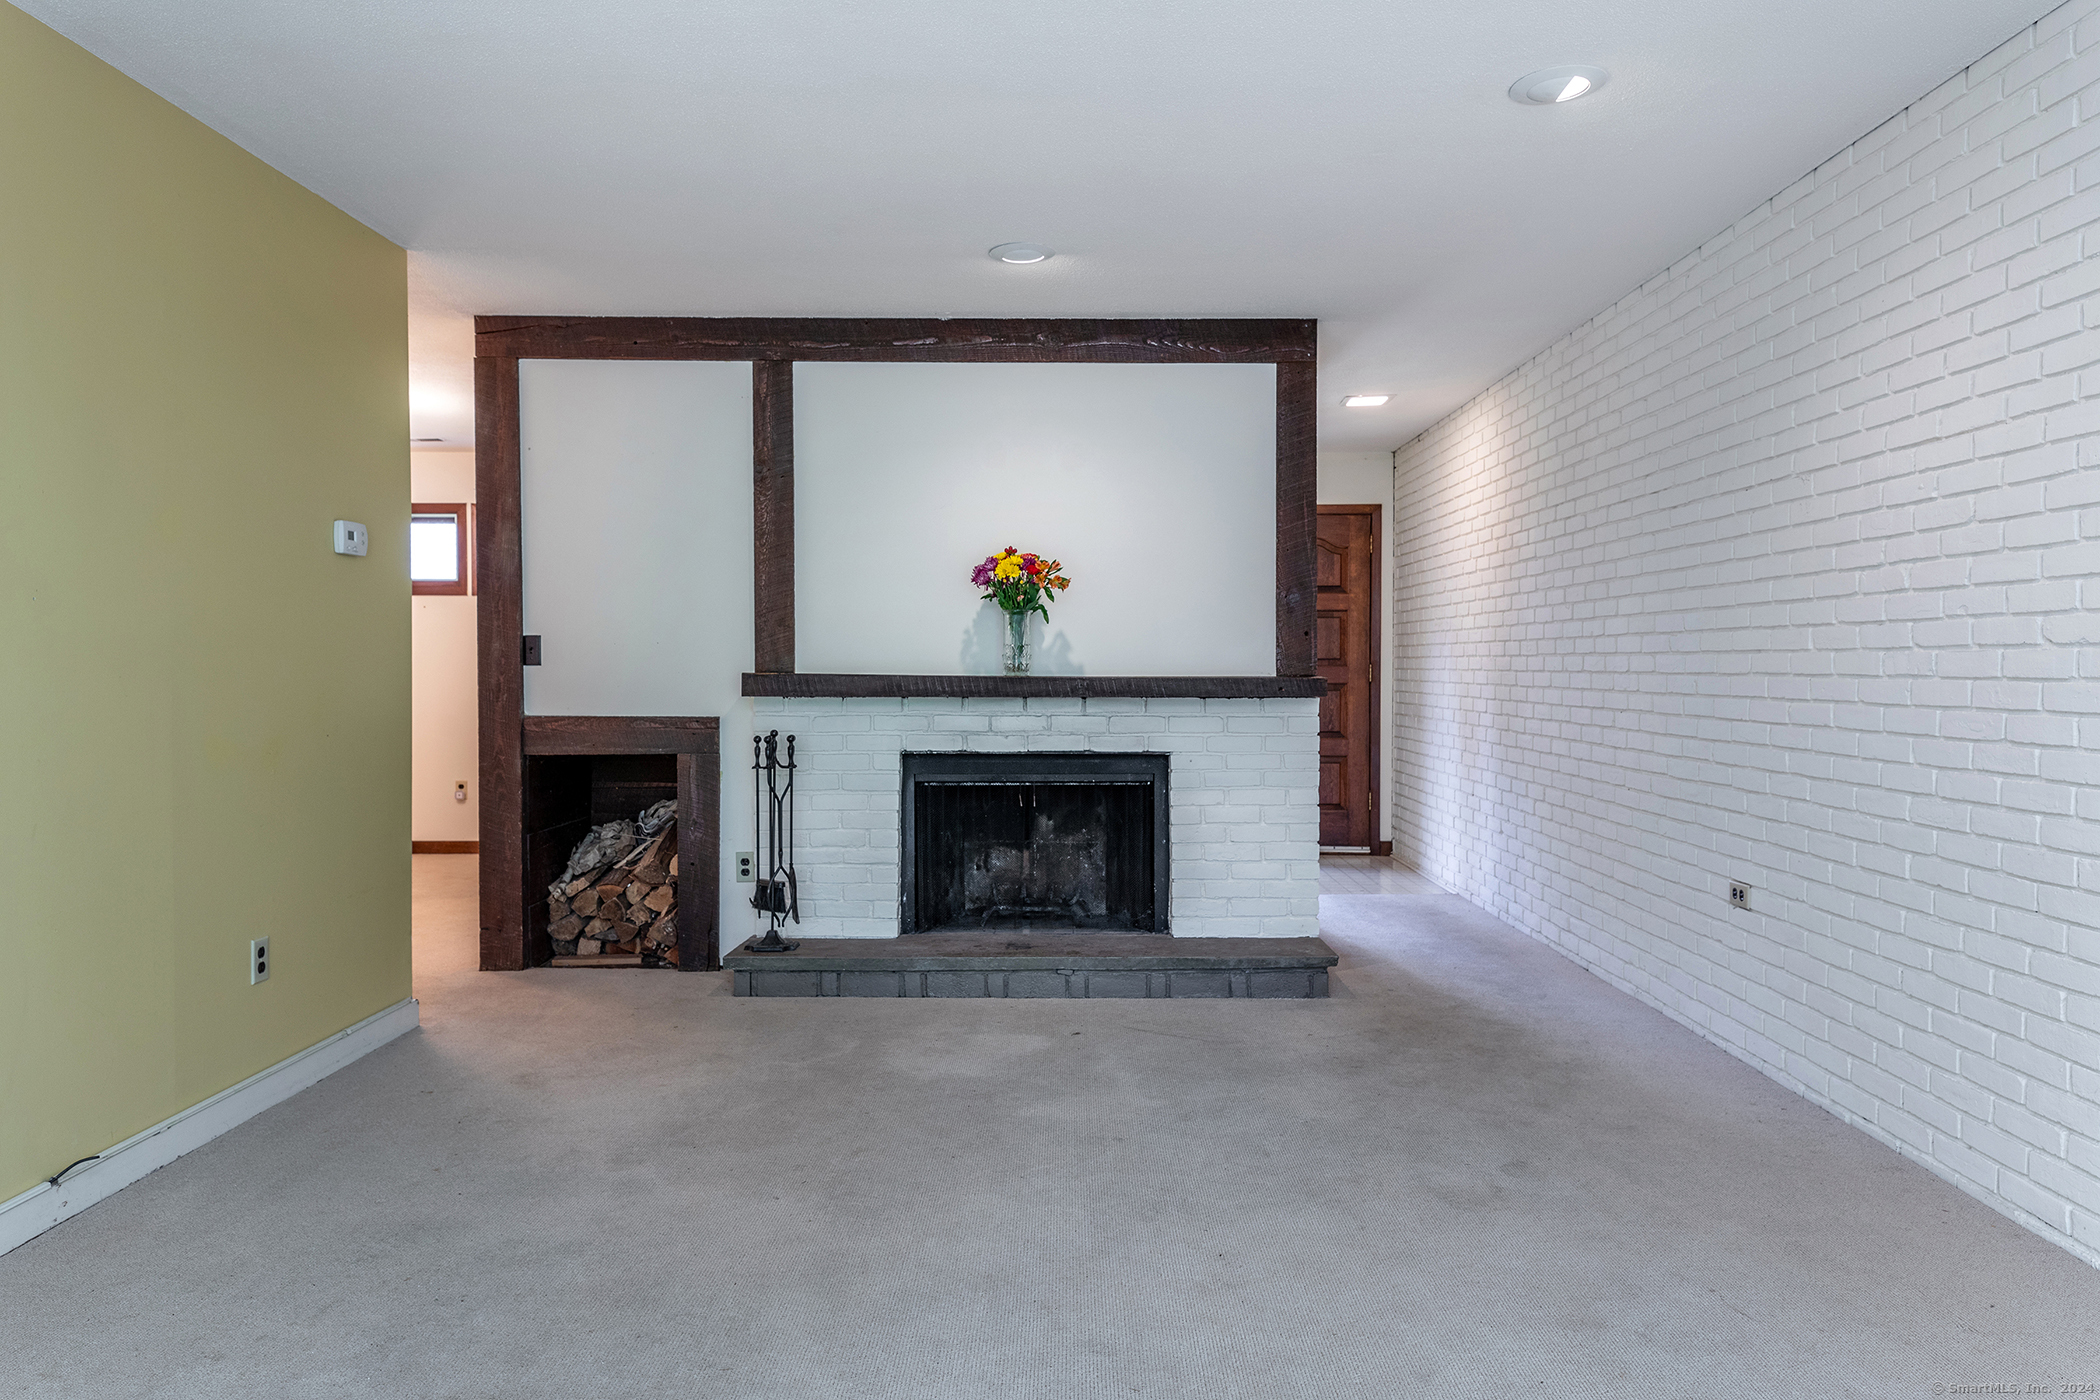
x: 1365, y: 400
x: 1021, y: 253
x: 426, y: 439
x: 1551, y: 85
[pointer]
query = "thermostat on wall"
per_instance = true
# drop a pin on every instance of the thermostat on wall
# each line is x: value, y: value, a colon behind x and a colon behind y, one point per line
x: 351, y: 537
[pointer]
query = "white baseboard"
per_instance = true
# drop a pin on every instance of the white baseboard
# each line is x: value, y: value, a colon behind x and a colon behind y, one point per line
x: 44, y: 1205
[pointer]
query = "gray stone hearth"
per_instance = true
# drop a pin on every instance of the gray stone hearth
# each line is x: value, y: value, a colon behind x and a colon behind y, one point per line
x: 1055, y: 965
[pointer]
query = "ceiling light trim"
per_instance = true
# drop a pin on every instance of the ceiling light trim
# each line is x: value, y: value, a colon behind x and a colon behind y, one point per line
x: 1550, y: 87
x: 1020, y: 254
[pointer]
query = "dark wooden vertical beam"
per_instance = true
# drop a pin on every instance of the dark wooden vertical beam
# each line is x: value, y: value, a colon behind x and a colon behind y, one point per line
x: 500, y: 627
x: 1297, y: 516
x: 773, y: 515
x: 700, y: 858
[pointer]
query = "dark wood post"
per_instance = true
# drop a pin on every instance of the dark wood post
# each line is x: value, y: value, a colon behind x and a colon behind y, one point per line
x: 700, y: 878
x: 773, y: 515
x: 500, y: 630
x: 1297, y: 515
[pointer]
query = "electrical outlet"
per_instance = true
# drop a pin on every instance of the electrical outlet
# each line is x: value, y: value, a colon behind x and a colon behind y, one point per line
x: 459, y: 792
x: 1739, y: 895
x: 746, y: 867
x: 258, y: 960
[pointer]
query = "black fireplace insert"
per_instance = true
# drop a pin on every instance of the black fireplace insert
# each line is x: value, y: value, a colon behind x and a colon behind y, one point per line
x: 1044, y: 842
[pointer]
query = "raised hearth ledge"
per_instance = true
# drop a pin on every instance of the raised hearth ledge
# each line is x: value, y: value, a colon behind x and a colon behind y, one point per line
x: 1032, y: 965
x: 794, y: 685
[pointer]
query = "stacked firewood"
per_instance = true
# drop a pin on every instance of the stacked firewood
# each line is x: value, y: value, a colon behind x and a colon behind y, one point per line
x: 618, y: 895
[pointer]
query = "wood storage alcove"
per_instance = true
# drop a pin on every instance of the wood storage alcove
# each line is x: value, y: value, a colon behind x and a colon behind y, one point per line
x: 581, y: 770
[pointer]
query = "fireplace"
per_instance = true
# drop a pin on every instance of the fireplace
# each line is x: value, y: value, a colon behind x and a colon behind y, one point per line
x: 1066, y: 842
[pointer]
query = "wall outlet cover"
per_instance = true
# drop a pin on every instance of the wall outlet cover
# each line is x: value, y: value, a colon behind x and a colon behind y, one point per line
x: 258, y: 960
x: 352, y: 538
x: 1739, y: 895
x: 746, y: 867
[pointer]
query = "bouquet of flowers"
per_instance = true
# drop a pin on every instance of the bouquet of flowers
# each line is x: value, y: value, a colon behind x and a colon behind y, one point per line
x: 1020, y: 583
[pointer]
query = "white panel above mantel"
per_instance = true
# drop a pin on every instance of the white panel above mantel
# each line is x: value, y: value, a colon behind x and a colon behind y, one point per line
x: 1155, y: 484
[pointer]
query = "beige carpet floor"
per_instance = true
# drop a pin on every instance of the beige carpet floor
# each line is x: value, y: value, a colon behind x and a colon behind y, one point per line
x: 1475, y: 1170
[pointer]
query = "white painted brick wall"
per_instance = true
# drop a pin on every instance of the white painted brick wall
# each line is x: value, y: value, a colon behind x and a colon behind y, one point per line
x: 1782, y: 569
x: 1242, y: 781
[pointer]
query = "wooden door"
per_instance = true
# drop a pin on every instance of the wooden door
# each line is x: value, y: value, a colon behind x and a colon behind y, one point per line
x: 1346, y: 648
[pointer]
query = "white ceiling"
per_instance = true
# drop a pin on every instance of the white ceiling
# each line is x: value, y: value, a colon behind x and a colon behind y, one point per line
x: 1354, y: 160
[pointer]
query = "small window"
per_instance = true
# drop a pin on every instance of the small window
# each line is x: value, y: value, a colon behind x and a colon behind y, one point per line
x: 440, y: 546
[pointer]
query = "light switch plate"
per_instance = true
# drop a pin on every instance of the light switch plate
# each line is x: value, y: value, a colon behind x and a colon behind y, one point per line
x: 351, y: 538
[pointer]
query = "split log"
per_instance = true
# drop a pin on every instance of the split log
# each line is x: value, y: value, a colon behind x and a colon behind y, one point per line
x: 565, y: 929
x: 643, y: 854
x: 586, y: 903
x: 658, y: 863
x: 660, y: 898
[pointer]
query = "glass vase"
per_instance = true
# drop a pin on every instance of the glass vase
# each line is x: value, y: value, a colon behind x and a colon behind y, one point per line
x: 1013, y: 651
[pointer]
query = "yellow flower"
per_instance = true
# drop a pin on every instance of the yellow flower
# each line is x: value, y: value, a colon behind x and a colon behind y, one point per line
x: 1007, y: 568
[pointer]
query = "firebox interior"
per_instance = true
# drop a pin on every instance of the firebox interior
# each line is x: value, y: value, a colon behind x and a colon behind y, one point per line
x: 1039, y: 842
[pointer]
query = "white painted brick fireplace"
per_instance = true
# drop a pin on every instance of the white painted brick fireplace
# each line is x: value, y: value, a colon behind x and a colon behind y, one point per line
x: 1243, y: 781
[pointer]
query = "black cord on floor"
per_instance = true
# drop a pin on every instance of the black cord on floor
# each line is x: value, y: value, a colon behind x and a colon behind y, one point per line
x: 81, y: 1163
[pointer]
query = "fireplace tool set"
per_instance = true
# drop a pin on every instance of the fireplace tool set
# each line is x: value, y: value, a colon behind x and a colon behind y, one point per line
x: 773, y: 821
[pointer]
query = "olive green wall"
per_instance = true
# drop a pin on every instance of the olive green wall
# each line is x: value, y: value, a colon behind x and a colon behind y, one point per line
x: 204, y: 712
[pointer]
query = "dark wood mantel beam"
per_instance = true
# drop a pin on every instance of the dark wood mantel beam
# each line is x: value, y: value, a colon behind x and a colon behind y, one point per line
x: 923, y: 339
x: 834, y: 686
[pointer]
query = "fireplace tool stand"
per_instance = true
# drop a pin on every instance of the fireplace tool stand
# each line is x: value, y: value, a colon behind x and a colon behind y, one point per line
x: 773, y: 821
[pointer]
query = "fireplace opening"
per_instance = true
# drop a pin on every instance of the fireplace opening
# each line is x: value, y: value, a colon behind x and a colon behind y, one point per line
x: 1035, y: 842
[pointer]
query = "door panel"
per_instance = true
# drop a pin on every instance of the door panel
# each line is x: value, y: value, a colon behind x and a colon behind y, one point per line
x: 1346, y: 649
x: 1327, y: 637
x: 1333, y: 564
